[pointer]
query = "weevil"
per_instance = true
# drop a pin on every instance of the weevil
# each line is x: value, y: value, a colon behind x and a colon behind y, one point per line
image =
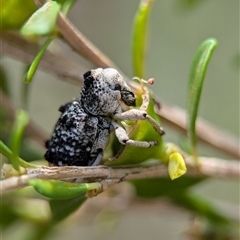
x: 83, y: 129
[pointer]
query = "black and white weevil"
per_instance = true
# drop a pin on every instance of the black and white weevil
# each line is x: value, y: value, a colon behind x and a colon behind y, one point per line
x: 83, y: 129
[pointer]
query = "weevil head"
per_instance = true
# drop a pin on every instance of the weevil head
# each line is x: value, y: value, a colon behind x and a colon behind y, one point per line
x: 116, y: 83
x: 103, y: 91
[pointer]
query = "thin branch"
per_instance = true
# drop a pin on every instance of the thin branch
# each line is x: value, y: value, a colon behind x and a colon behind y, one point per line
x: 209, y: 167
x: 214, y: 167
x: 15, y: 183
x: 81, y: 44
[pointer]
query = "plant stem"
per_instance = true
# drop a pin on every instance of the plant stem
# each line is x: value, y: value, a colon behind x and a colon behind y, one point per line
x: 209, y: 167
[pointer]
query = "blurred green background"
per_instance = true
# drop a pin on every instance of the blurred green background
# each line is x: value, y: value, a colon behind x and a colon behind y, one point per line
x: 176, y: 30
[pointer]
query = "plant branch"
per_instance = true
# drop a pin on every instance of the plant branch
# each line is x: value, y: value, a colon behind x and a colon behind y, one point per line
x: 81, y: 44
x: 209, y: 167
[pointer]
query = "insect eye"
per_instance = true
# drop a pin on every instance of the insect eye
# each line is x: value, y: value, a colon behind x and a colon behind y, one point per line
x: 117, y: 87
x: 88, y: 78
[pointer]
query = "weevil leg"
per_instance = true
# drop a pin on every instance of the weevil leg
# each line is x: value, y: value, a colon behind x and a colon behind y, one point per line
x: 124, y: 139
x: 97, y: 160
x: 135, y: 114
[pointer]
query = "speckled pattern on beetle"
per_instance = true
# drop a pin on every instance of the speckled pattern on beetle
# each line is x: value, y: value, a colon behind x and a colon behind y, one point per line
x: 83, y: 129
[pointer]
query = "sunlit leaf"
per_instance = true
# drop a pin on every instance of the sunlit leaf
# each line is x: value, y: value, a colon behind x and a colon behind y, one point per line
x: 196, y: 79
x: 43, y: 21
x: 139, y: 37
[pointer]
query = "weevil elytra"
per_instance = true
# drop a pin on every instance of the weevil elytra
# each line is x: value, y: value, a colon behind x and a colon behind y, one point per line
x: 83, y: 129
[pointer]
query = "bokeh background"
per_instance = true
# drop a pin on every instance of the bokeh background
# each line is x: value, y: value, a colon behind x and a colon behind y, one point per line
x: 176, y: 29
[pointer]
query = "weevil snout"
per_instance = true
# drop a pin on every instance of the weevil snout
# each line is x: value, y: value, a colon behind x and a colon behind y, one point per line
x: 116, y: 82
x: 128, y: 98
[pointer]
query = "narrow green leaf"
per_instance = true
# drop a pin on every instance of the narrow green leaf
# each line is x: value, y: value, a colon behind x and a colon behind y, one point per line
x: 196, y: 79
x: 36, y: 61
x: 5, y: 151
x: 61, y: 190
x: 139, y: 37
x: 17, y: 134
x: 42, y: 22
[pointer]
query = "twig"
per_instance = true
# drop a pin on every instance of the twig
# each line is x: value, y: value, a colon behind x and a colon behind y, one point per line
x: 212, y: 167
x: 81, y: 44
x: 209, y: 167
x: 15, y: 183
